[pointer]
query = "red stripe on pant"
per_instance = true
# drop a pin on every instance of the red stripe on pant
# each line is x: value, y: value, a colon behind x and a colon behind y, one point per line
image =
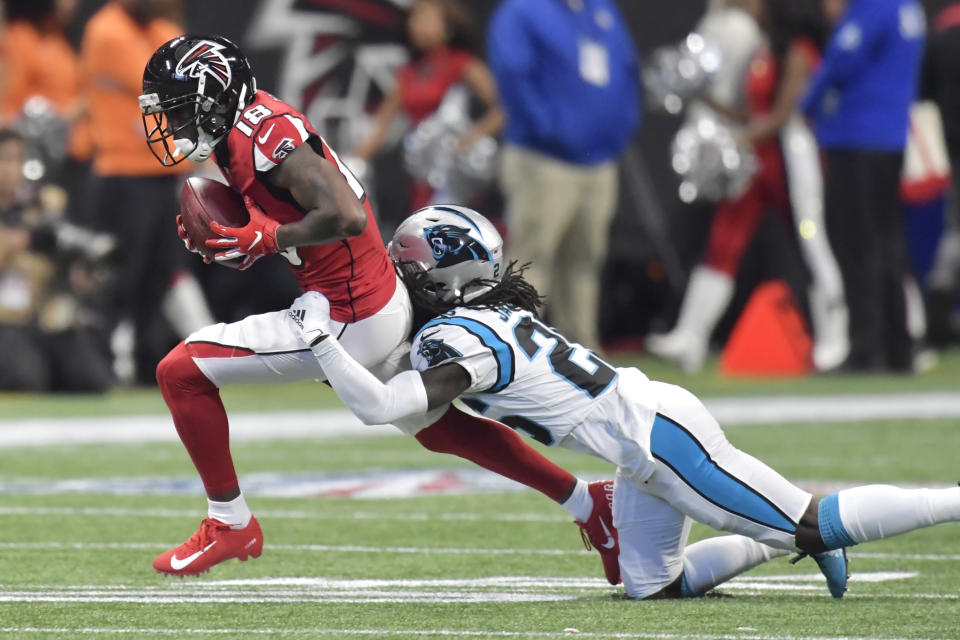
x: 214, y: 350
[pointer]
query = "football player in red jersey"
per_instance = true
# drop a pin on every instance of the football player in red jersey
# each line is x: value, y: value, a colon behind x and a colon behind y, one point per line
x: 200, y: 101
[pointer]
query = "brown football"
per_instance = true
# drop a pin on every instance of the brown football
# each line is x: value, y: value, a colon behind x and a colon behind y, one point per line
x: 203, y: 201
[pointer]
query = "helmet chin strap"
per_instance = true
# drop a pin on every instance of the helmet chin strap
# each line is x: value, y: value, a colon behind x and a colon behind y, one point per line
x: 199, y: 150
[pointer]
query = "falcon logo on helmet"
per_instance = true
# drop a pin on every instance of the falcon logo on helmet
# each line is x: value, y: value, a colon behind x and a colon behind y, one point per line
x: 205, y: 59
x: 452, y: 245
x: 194, y: 90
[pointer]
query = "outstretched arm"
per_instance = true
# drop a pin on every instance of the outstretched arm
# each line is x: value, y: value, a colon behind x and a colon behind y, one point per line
x: 407, y: 394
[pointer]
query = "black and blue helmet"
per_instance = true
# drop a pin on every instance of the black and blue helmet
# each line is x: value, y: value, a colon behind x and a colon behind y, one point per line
x: 456, y: 253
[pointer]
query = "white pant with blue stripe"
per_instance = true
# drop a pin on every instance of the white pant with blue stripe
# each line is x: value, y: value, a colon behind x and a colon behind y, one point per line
x: 700, y: 476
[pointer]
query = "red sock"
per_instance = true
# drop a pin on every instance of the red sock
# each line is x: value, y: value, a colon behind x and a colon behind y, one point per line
x: 498, y: 448
x: 200, y: 418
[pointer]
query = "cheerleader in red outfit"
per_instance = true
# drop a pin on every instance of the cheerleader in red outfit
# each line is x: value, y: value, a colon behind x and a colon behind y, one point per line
x: 438, y: 31
x: 788, y: 180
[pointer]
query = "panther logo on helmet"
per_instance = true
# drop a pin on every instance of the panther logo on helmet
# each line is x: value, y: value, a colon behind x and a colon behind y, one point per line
x: 205, y: 59
x: 452, y: 245
x: 436, y: 351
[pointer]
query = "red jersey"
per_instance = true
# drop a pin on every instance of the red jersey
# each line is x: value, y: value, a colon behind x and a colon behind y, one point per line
x: 760, y: 87
x: 355, y: 274
x: 763, y: 76
x: 423, y: 82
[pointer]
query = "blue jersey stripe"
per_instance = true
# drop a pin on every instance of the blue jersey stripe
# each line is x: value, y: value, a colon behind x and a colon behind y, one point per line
x: 674, y: 446
x: 502, y: 351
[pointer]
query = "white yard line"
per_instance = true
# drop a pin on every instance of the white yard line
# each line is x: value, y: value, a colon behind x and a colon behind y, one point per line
x: 357, y: 598
x: 905, y: 556
x: 320, y: 548
x: 443, y: 633
x: 834, y: 408
x: 300, y: 584
x: 472, y: 590
x: 394, y: 597
x: 36, y: 432
x: 280, y: 514
x: 327, y: 548
x: 339, y: 423
x: 366, y: 484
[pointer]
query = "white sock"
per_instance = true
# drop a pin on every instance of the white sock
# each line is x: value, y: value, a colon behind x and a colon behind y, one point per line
x: 879, y: 511
x: 236, y: 513
x: 579, y: 504
x: 715, y: 560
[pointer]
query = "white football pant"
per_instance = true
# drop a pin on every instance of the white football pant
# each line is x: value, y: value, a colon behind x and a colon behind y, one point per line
x: 695, y: 474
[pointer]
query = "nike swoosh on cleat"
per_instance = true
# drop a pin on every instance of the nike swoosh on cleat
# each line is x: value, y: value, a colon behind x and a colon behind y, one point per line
x: 254, y: 243
x: 266, y: 136
x: 610, y: 542
x: 176, y: 563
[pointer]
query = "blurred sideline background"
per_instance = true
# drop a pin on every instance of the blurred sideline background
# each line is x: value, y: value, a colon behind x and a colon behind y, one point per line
x: 335, y: 60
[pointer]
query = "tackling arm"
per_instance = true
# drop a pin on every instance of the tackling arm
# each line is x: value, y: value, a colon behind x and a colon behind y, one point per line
x: 406, y: 394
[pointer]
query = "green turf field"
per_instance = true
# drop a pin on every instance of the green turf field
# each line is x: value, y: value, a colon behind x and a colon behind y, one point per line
x: 76, y: 563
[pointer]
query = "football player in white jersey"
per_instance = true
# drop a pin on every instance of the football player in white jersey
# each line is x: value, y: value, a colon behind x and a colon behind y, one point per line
x: 485, y: 344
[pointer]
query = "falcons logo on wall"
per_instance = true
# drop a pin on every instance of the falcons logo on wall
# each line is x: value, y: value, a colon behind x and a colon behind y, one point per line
x: 205, y: 59
x: 339, y: 56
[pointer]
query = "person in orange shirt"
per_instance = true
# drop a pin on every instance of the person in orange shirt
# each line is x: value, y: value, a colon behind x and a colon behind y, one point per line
x: 134, y: 197
x: 40, y: 61
x: 45, y: 64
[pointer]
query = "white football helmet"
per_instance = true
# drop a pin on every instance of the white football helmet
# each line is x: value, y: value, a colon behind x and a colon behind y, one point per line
x: 457, y: 251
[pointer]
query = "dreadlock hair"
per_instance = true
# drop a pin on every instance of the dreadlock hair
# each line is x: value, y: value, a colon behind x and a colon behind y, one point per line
x: 511, y: 290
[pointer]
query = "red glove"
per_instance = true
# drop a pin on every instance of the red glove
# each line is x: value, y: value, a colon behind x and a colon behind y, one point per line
x: 257, y: 239
x: 187, y: 242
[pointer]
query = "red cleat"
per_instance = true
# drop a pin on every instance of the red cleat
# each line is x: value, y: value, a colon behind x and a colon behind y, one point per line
x: 212, y: 544
x: 599, y: 531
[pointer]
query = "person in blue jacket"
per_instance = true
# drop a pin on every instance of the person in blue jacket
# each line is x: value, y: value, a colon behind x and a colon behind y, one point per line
x: 568, y: 76
x: 859, y: 102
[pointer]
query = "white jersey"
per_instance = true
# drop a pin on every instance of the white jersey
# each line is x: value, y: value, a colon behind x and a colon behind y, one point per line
x: 674, y: 461
x: 522, y: 373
